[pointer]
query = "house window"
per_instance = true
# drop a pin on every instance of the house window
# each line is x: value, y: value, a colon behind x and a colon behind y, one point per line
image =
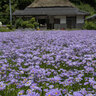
x: 56, y: 21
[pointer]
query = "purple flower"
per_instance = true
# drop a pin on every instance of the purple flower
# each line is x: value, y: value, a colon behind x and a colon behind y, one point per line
x: 83, y: 91
x: 20, y: 93
x: 65, y: 91
x: 28, y: 83
x: 86, y: 83
x: 51, y: 86
x: 94, y: 86
x: 2, y: 86
x: 35, y: 87
x: 53, y: 92
x: 77, y: 94
x: 89, y: 94
x: 78, y: 79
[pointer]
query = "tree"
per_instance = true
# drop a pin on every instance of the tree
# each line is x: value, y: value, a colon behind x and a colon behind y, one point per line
x: 23, y: 3
x: 5, y: 10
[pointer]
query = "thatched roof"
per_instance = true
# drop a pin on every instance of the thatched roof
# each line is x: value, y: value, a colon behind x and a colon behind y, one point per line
x: 51, y: 3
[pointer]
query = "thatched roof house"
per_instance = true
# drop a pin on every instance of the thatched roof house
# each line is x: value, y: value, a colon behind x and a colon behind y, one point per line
x: 54, y: 14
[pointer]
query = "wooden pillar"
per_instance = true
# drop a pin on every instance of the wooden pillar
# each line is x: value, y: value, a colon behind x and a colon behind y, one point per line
x: 50, y: 22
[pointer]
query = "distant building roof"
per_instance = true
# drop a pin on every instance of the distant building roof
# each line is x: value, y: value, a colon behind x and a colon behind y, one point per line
x: 50, y: 3
x: 91, y: 17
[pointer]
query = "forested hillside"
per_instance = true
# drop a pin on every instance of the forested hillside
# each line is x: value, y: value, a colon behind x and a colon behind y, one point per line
x: 86, y: 5
x: 90, y: 2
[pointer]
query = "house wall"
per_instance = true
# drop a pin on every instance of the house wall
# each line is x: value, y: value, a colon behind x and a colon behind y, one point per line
x: 80, y: 25
x: 80, y: 19
x: 62, y: 24
x: 63, y: 21
x: 79, y: 22
x: 59, y: 26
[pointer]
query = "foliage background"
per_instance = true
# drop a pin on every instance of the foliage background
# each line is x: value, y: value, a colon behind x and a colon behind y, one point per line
x: 86, y: 5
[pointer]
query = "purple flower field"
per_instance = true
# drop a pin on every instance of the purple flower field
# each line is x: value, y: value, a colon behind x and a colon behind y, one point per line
x: 48, y: 63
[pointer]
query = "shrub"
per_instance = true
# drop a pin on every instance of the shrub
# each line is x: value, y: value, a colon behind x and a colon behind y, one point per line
x: 30, y: 26
x: 32, y: 20
x: 90, y: 25
x: 36, y: 24
x: 24, y: 24
x: 4, y: 30
x: 10, y: 26
x: 18, y: 22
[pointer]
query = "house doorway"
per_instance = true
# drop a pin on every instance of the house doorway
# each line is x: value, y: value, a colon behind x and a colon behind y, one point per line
x: 71, y: 22
x: 42, y: 23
